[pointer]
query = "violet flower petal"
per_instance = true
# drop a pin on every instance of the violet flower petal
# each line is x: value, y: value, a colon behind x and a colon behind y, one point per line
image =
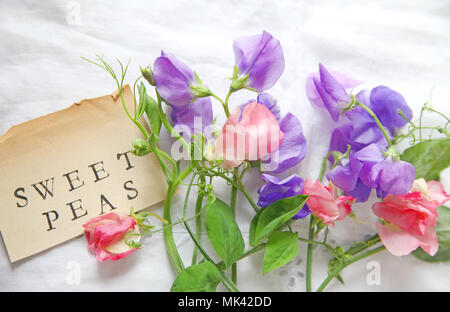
x: 397, y: 177
x: 276, y: 188
x: 261, y: 57
x: 292, y: 149
x: 173, y: 80
x: 346, y: 177
x: 197, y: 118
x: 361, y: 192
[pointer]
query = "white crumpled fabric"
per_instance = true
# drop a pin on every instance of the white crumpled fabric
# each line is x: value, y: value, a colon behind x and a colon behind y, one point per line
x: 402, y: 44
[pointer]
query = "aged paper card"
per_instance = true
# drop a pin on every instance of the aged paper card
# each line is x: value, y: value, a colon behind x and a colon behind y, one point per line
x: 62, y: 169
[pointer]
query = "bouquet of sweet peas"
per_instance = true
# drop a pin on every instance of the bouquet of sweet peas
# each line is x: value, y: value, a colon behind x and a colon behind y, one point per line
x: 258, y: 136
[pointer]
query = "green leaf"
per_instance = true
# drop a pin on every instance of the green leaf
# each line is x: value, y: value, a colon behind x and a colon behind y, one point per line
x: 429, y: 158
x: 152, y: 112
x: 443, y: 234
x: 276, y: 214
x: 223, y: 232
x: 199, y: 277
x: 148, y: 105
x: 252, y: 230
x: 281, y: 248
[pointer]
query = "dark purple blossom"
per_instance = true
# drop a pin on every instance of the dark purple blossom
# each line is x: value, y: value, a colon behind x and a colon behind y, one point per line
x: 369, y: 168
x: 261, y: 58
x: 362, y: 130
x: 276, y: 189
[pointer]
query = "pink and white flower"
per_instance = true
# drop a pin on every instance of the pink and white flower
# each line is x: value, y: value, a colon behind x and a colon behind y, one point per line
x: 250, y: 133
x: 106, y: 236
x: 410, y: 219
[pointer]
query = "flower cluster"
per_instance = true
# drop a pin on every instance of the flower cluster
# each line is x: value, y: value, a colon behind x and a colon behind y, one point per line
x: 372, y: 162
x: 362, y: 156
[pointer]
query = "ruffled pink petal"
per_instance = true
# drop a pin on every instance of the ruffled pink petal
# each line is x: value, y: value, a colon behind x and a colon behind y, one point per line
x: 250, y: 134
x: 263, y: 134
x: 437, y: 192
x: 108, y: 233
x: 324, y: 209
x: 324, y: 205
x: 429, y: 242
x: 403, y: 219
x: 344, y: 204
x: 102, y: 254
x: 105, y: 230
x: 92, y: 223
x: 318, y: 189
x: 397, y: 241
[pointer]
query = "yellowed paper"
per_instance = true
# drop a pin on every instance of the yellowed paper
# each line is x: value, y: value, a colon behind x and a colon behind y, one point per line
x: 62, y: 169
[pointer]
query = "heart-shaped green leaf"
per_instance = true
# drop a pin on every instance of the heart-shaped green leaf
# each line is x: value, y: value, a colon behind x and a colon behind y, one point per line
x: 281, y: 248
x: 223, y: 232
x: 199, y: 277
x: 429, y: 158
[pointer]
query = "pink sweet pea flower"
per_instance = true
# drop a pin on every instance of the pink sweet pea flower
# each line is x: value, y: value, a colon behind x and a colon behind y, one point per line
x: 106, y: 236
x: 410, y: 219
x: 250, y: 133
x: 325, y: 203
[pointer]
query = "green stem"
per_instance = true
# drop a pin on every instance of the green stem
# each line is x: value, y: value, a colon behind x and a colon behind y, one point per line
x: 323, y: 166
x: 346, y: 263
x: 374, y: 116
x: 233, y: 210
x: 247, y: 253
x: 172, y: 251
x: 239, y: 186
x: 330, y: 249
x: 237, y: 181
x: 226, y: 281
x: 225, y: 104
x: 198, y: 221
x: 309, y: 254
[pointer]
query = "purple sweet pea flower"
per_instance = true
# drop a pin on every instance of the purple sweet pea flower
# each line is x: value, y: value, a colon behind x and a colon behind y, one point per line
x: 198, y: 118
x: 385, y: 103
x: 391, y: 177
x: 368, y: 168
x: 328, y: 90
x: 291, y: 151
x: 276, y: 189
x: 173, y: 79
x: 261, y: 57
x: 347, y: 176
x: 356, y: 137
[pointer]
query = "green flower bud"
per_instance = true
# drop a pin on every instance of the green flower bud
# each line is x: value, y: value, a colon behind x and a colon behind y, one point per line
x: 148, y: 74
x: 141, y: 147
